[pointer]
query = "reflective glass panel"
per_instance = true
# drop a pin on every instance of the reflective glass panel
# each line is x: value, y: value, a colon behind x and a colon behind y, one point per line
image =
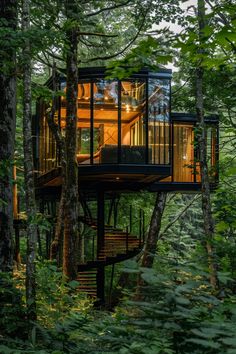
x: 133, y: 107
x: 211, y: 152
x: 183, y: 153
x: 105, y: 133
x: 83, y: 125
x: 158, y: 121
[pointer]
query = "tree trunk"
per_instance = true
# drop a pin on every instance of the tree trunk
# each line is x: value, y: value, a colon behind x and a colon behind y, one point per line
x: 8, y: 13
x: 152, y: 239
x: 29, y: 170
x: 70, y: 244
x: 154, y: 231
x: 202, y: 144
x: 55, y: 251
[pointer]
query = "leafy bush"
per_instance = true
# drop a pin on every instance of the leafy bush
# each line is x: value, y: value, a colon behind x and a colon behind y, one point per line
x: 177, y: 313
x: 57, y: 298
x: 12, y: 310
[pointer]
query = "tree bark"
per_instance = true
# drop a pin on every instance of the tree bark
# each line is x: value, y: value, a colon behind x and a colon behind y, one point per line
x: 59, y: 231
x: 29, y: 170
x: 70, y: 244
x: 202, y: 144
x: 8, y: 13
x: 154, y: 231
x: 152, y: 239
x: 56, y: 246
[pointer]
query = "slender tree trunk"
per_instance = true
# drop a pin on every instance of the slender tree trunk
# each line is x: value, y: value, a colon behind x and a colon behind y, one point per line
x: 8, y: 13
x: 70, y: 244
x: 152, y: 239
x: 59, y: 231
x: 154, y: 231
x: 29, y: 170
x: 56, y: 246
x: 202, y: 143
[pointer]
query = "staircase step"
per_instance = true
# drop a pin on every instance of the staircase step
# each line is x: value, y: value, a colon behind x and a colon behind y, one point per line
x: 88, y: 282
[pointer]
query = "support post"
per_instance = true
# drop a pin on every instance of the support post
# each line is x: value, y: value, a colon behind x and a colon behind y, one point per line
x: 127, y: 239
x: 140, y: 227
x: 143, y: 226
x: 115, y: 213
x: 17, y: 244
x: 101, y: 285
x: 130, y: 218
x: 119, y: 123
x: 93, y: 254
x: 111, y: 284
x: 100, y: 221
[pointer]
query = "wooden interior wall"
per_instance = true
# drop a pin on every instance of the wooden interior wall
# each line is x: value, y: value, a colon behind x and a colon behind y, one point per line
x: 183, y: 153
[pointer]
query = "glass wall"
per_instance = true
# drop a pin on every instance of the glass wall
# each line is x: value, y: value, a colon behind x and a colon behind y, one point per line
x: 115, y: 125
x: 105, y: 121
x: 211, y: 152
x: 84, y: 124
x: 159, y: 121
x: 183, y: 153
x: 186, y: 167
x: 133, y: 110
x: 127, y: 122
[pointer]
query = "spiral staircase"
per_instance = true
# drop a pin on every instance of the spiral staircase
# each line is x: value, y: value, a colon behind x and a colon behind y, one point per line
x: 118, y: 245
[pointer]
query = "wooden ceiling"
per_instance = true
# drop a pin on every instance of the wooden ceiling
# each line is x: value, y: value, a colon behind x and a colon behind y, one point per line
x: 103, y: 115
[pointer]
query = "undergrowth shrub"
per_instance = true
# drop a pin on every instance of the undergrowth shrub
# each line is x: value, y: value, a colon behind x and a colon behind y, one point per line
x: 12, y: 309
x: 56, y: 297
x: 177, y: 313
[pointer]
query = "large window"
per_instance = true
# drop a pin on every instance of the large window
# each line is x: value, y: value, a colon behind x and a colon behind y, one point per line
x: 183, y: 153
x: 158, y: 121
x: 123, y: 122
x: 105, y: 121
x: 133, y: 109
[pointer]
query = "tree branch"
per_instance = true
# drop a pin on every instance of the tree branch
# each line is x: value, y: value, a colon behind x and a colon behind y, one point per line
x: 97, y: 34
x: 108, y: 8
x: 125, y: 48
x: 232, y: 44
x: 87, y: 43
x: 180, y: 88
x: 178, y: 216
x: 54, y: 56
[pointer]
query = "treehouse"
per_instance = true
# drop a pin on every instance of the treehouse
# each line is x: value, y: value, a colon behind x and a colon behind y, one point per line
x: 127, y: 140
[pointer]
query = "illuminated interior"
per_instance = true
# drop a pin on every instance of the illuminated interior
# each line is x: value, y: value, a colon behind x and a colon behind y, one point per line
x: 128, y: 123
x: 112, y: 111
x: 186, y: 154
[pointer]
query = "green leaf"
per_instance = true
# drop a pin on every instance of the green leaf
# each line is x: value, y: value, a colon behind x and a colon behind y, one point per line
x: 73, y: 284
x: 229, y: 341
x: 182, y: 300
x: 204, y: 343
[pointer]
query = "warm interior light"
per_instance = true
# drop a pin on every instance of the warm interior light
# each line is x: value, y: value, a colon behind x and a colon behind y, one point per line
x: 117, y: 178
x: 127, y: 108
x: 106, y: 98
